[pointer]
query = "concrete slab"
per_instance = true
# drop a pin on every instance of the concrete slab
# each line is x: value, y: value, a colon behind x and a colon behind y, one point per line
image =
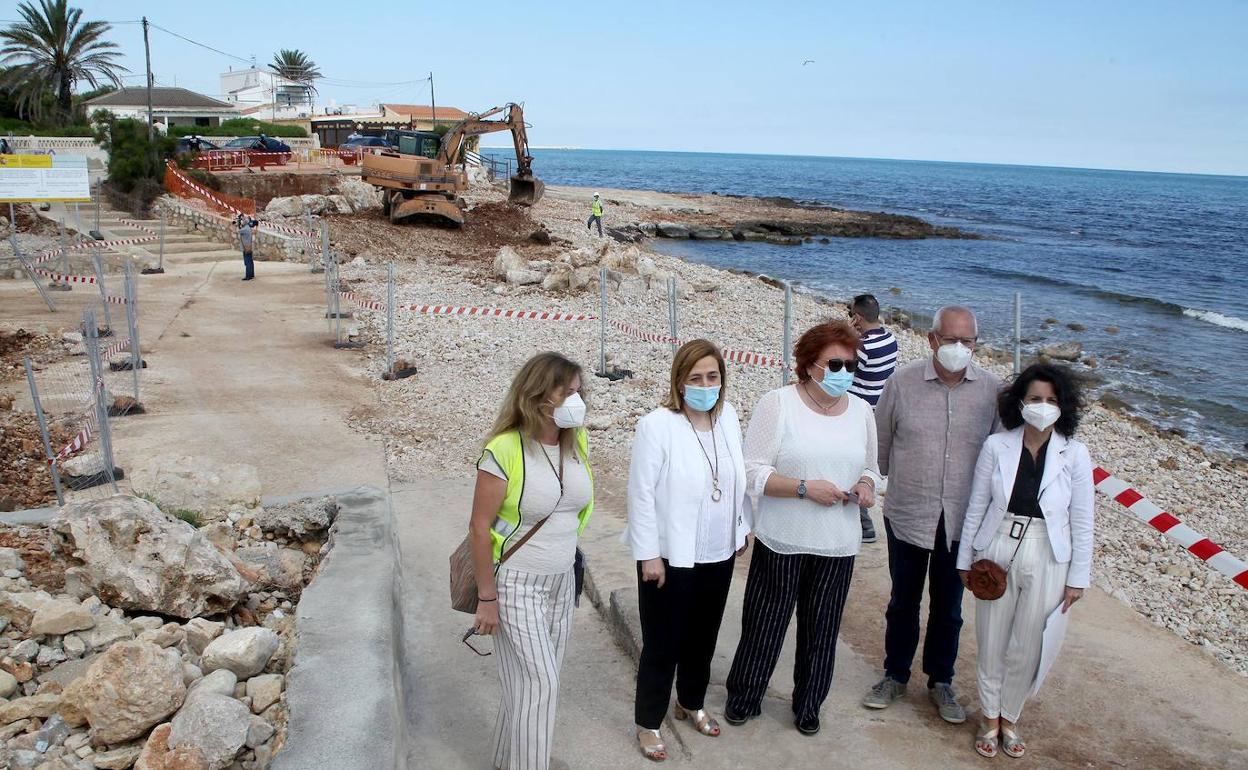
x: 344, y: 692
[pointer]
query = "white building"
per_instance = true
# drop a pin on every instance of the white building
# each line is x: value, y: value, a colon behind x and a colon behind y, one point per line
x: 264, y: 94
x: 170, y: 106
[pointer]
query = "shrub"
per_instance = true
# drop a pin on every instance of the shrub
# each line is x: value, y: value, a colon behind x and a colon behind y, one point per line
x: 23, y: 128
x: 190, y: 517
x: 136, y: 166
x: 242, y: 127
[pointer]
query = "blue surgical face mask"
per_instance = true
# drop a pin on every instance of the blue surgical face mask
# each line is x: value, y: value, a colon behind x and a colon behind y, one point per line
x: 836, y: 383
x: 701, y: 399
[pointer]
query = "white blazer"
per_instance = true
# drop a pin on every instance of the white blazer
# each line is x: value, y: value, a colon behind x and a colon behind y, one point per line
x: 667, y: 481
x: 1066, y: 498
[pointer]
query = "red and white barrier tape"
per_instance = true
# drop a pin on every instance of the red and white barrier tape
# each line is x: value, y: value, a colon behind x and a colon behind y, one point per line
x: 661, y: 339
x: 745, y: 357
x: 463, y: 310
x: 1149, y: 513
x: 116, y: 348
x: 201, y: 190
x: 80, y: 440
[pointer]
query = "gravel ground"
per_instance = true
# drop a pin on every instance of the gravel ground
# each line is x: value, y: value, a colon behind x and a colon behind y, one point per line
x: 435, y: 421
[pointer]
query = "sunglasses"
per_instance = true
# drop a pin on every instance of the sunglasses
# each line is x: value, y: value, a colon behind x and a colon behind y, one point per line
x: 471, y: 633
x: 836, y: 364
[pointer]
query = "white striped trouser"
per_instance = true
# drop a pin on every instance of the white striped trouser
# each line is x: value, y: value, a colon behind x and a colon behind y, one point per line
x: 535, y: 621
x: 1011, y: 628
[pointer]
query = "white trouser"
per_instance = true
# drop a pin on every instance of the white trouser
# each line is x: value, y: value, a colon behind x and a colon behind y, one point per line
x: 1010, y: 629
x: 535, y: 621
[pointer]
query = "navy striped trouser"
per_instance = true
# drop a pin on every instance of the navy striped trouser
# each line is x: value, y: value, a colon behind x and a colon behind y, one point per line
x: 535, y: 621
x: 817, y: 586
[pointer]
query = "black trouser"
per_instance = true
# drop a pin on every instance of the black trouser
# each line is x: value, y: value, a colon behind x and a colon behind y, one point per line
x: 817, y: 586
x: 679, y: 628
x: 589, y: 225
x: 909, y: 565
x: 249, y: 266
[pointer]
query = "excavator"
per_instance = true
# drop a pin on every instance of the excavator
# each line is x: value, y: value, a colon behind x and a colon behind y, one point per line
x: 421, y: 174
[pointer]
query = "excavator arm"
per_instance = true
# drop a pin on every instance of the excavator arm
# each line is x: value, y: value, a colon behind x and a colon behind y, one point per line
x: 526, y: 189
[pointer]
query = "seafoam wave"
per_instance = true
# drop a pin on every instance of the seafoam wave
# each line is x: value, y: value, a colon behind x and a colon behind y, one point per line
x: 1217, y: 319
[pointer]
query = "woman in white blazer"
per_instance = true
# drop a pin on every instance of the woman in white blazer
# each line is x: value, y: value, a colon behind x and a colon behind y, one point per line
x: 1030, y: 512
x: 686, y: 524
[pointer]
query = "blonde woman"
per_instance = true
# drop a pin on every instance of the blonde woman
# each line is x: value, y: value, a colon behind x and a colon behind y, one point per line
x: 686, y: 524
x: 533, y: 477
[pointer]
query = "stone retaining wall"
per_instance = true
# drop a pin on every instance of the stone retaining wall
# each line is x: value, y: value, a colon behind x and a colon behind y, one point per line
x: 267, y: 246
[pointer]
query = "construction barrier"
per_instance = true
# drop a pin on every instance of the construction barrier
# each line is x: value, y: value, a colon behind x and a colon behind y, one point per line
x: 180, y: 184
x: 1151, y: 514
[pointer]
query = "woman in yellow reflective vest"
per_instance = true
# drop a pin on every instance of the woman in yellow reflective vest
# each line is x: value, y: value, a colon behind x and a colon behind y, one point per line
x: 533, y: 497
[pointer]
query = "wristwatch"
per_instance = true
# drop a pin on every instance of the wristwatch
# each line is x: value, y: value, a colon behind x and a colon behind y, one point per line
x: 801, y: 489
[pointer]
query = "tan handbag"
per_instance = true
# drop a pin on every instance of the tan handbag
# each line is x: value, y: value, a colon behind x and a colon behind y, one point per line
x: 464, y: 576
x: 987, y: 579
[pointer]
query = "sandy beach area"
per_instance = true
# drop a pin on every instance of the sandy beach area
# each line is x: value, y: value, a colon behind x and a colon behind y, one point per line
x: 434, y: 422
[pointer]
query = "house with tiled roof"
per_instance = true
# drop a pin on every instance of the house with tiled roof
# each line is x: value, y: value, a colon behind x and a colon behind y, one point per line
x: 170, y: 106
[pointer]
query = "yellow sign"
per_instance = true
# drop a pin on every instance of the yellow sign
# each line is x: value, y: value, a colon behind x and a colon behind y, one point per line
x: 25, y: 161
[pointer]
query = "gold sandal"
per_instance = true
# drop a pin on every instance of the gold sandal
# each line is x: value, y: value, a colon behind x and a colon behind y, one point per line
x: 651, y: 742
x: 702, y: 721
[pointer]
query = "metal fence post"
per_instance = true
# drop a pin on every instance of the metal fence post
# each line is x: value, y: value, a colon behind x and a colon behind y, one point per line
x: 788, y: 334
x: 98, y: 260
x: 602, y: 320
x: 390, y: 319
x: 43, y: 431
x: 17, y: 254
x: 64, y: 243
x: 161, y: 264
x: 337, y: 304
x: 671, y: 310
x: 132, y: 325
x: 1018, y: 332
x: 99, y: 394
x: 99, y: 188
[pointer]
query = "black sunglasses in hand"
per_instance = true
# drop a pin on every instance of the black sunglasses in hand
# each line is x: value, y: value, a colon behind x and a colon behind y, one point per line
x: 471, y: 633
x: 836, y: 364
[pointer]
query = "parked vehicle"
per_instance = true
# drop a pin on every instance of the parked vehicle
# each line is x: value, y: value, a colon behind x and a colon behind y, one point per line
x: 358, y: 145
x: 253, y: 145
x: 186, y: 146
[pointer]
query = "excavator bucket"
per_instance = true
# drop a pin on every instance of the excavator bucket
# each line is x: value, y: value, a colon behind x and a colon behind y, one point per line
x: 526, y: 190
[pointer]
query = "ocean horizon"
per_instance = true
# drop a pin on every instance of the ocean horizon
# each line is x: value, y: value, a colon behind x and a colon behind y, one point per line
x: 1147, y: 270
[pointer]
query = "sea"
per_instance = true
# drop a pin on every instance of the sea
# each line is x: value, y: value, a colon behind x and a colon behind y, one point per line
x: 1152, y: 266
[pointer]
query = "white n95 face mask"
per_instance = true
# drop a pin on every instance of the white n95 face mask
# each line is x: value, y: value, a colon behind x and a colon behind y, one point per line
x: 571, y: 413
x: 1040, y: 416
x: 955, y: 357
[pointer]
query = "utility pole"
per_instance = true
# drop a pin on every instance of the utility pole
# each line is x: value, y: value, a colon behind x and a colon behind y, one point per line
x: 147, y: 52
x: 433, y: 101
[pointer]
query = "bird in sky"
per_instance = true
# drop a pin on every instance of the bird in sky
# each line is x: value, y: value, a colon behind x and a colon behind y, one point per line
x: 808, y: 61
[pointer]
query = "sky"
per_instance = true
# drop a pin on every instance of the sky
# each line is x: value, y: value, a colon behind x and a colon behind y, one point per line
x: 1139, y: 84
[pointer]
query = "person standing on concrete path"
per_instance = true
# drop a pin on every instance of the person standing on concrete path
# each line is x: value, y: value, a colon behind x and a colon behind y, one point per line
x: 933, y: 419
x: 246, y: 237
x: 810, y: 460
x: 877, y: 358
x: 534, y: 482
x: 686, y: 526
x: 1030, y: 512
x: 595, y: 215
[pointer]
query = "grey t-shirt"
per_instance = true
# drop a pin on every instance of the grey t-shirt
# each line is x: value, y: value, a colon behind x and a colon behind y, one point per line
x: 245, y: 237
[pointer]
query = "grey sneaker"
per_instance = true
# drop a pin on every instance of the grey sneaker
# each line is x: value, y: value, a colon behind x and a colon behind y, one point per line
x: 884, y: 693
x: 946, y: 701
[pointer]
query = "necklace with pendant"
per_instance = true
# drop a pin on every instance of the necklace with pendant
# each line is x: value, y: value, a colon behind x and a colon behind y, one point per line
x: 716, y: 494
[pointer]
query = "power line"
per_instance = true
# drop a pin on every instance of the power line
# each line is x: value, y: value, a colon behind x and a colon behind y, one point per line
x: 201, y: 45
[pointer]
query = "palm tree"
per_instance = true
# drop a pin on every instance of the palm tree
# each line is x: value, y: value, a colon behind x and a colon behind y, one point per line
x: 294, y: 65
x: 52, y: 49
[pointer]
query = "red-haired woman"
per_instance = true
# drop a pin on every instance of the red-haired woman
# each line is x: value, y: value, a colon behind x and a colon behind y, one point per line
x: 810, y: 460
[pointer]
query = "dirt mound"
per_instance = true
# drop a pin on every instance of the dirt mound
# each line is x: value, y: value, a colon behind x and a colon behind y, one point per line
x: 30, y: 223
x: 18, y: 344
x: 492, y: 225
x: 25, y: 479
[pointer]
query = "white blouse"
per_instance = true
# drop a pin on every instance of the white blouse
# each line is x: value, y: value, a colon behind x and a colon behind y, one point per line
x: 787, y: 437
x: 717, y: 526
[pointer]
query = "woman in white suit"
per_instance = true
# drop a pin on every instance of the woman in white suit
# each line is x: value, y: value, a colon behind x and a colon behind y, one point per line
x: 686, y: 524
x: 1030, y: 512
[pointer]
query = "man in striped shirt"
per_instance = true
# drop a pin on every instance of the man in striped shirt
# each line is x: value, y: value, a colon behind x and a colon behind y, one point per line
x: 877, y: 358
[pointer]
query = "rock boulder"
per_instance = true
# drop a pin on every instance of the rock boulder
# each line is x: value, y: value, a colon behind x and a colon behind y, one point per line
x: 244, y: 651
x: 214, y: 724
x: 506, y: 260
x: 190, y: 484
x: 61, y: 616
x: 291, y: 206
x: 275, y: 568
x: 1064, y: 351
x: 156, y: 754
x: 302, y: 519
x: 135, y: 557
x: 127, y: 690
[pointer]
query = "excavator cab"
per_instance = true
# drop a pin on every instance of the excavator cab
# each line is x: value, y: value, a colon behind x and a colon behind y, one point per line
x: 423, y: 143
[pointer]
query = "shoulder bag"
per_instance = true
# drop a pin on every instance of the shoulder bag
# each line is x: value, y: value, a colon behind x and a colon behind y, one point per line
x: 464, y: 576
x: 987, y: 579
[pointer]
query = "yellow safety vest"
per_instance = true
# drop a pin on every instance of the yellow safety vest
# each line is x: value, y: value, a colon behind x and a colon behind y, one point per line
x: 508, y: 451
x: 596, y: 207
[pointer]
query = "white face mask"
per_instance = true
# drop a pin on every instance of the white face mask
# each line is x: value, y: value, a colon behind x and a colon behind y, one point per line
x: 1040, y: 416
x: 571, y: 413
x: 955, y: 357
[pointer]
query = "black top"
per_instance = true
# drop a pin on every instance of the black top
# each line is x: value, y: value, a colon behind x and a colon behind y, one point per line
x: 1025, y: 498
